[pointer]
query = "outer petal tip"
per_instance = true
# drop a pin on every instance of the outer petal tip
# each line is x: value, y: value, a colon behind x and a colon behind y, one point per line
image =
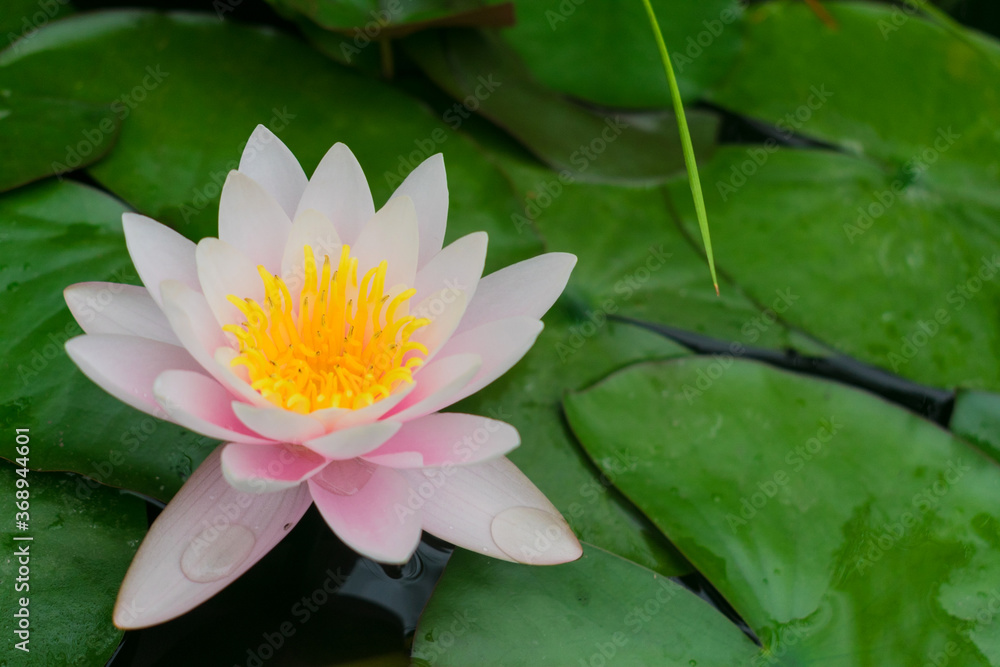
x: 534, y: 536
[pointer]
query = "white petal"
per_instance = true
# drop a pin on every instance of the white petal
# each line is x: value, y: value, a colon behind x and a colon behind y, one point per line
x: 369, y: 520
x: 350, y: 443
x: 222, y: 271
x: 207, y: 536
x: 199, y: 403
x: 338, y: 189
x: 528, y: 289
x: 444, y: 309
x: 338, y: 418
x: 436, y: 385
x: 159, y: 253
x: 472, y: 507
x: 113, y: 308
x: 391, y: 235
x: 269, y: 468
x: 277, y: 423
x: 127, y: 366
x: 447, y: 438
x: 458, y: 267
x: 427, y: 186
x: 251, y: 221
x: 269, y: 162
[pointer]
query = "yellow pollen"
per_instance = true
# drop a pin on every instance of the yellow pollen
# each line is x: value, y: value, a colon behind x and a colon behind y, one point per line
x: 339, y: 345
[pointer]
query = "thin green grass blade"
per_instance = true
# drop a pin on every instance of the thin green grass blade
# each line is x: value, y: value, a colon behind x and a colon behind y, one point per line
x: 689, y: 160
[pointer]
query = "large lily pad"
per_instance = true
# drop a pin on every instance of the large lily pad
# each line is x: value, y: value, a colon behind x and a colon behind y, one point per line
x: 599, y: 610
x: 67, y: 575
x: 66, y: 233
x: 895, y: 521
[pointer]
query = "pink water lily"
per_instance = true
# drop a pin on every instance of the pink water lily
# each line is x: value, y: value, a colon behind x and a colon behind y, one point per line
x: 318, y: 338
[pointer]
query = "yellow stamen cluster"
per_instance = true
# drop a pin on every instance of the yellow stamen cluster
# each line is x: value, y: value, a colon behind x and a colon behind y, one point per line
x: 344, y: 346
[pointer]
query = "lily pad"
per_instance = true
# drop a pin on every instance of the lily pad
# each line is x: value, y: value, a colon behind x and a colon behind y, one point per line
x: 51, y: 136
x: 486, y: 77
x: 599, y: 610
x: 65, y: 233
x: 895, y: 521
x: 388, y: 19
x: 64, y: 570
x: 977, y: 419
x: 603, y: 51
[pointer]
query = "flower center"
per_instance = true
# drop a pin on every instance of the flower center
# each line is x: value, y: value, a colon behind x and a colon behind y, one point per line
x: 344, y: 346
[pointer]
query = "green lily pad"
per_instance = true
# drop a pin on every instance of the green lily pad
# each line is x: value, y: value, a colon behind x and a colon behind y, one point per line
x: 66, y: 233
x: 603, y: 50
x: 52, y: 136
x: 573, y: 352
x: 62, y: 582
x: 486, y: 77
x: 843, y: 529
x: 920, y: 271
x: 976, y: 418
x: 188, y: 123
x: 599, y: 610
x: 22, y: 19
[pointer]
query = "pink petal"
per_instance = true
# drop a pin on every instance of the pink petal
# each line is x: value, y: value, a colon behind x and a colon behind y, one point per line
x: 311, y: 228
x: 207, y: 536
x: 447, y: 439
x: 374, y: 520
x: 501, y: 345
x: 195, y: 325
x: 436, y: 384
x: 252, y: 221
x: 350, y: 443
x: 528, y: 288
x: 277, y: 423
x: 127, y: 366
x: 338, y: 189
x: 493, y: 509
x: 224, y: 270
x: 256, y: 469
x: 391, y: 235
x: 159, y: 253
x: 458, y: 267
x: 113, y: 308
x: 199, y: 403
x: 427, y: 186
x: 269, y: 162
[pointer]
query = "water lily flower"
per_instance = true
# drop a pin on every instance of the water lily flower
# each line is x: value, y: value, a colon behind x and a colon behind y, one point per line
x: 318, y: 339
